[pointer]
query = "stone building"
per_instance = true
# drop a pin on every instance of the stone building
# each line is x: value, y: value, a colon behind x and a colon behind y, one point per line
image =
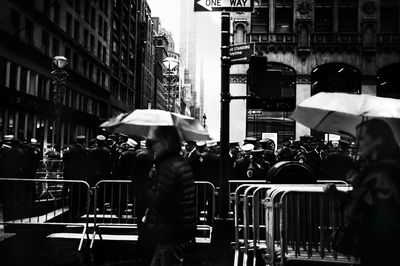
x: 348, y: 46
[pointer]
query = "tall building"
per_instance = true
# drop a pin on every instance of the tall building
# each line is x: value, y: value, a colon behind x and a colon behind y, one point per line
x: 124, y: 38
x: 348, y: 46
x: 144, y: 97
x: 188, y: 49
x: 160, y: 91
x: 35, y: 32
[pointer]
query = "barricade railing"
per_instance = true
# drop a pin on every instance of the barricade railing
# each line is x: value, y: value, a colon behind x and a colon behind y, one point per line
x: 233, y: 185
x: 115, y: 209
x: 30, y: 203
x: 308, y: 218
x: 258, y: 223
x: 51, y: 166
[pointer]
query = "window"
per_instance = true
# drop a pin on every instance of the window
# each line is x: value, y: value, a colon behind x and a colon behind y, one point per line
x: 13, y: 76
x: 390, y: 18
x: 323, y: 16
x: 99, y: 47
x: 348, y: 16
x: 16, y: 20
x: 105, y: 29
x: 87, y: 10
x: 45, y: 43
x: 115, y: 47
x: 284, y: 16
x: 104, y: 54
x: 91, y: 43
x: 98, y: 76
x: 78, y: 6
x: 76, y: 30
x: 56, y: 47
x: 100, y: 27
x: 29, y: 31
x: 86, y: 38
x: 90, y: 71
x: 93, y: 17
x: 68, y: 25
x: 23, y: 79
x: 260, y: 21
x: 56, y: 14
x: 85, y: 67
x: 31, y: 89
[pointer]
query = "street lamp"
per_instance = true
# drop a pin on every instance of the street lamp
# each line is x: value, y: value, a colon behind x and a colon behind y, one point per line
x: 170, y: 75
x: 59, y: 73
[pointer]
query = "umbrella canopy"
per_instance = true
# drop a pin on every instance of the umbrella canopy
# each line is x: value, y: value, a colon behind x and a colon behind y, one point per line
x: 114, y: 121
x: 340, y: 113
x: 140, y: 121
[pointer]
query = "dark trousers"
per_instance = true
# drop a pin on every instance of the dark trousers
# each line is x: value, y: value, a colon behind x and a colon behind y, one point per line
x: 168, y: 255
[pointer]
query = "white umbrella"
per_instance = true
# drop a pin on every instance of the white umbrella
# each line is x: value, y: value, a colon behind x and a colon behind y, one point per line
x: 114, y: 121
x: 340, y: 113
x: 140, y: 121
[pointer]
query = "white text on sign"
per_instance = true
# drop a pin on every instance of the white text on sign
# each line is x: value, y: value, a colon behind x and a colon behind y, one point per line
x: 209, y: 4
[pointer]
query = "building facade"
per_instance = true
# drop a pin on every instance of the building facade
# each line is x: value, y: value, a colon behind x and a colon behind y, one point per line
x: 188, y: 52
x: 144, y: 96
x: 312, y: 46
x: 35, y: 32
x: 124, y: 40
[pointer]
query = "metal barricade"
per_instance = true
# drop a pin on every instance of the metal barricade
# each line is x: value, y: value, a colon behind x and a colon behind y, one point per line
x: 115, y: 211
x: 233, y: 185
x: 49, y: 204
x: 51, y: 166
x: 205, y: 211
x: 308, y: 217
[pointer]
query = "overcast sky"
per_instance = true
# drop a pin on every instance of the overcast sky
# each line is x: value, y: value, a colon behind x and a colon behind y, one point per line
x: 208, y: 51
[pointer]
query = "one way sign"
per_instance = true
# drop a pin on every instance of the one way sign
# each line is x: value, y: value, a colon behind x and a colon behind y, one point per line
x: 223, y: 5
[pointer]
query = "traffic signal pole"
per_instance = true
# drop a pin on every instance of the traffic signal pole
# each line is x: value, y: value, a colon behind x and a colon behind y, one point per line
x: 225, y: 116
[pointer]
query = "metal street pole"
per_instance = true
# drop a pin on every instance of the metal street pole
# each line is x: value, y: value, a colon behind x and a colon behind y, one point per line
x: 225, y: 102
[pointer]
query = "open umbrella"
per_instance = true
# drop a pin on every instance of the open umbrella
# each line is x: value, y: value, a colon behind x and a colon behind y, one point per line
x: 340, y: 113
x: 140, y: 121
x: 114, y: 121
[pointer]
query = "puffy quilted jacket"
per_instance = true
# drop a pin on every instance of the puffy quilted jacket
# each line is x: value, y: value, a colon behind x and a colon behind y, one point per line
x: 172, y: 211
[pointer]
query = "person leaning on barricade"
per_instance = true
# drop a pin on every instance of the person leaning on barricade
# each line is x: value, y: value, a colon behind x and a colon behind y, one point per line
x: 171, y: 216
x: 372, y: 217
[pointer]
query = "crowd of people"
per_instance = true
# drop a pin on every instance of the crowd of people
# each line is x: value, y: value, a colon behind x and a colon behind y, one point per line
x: 163, y: 170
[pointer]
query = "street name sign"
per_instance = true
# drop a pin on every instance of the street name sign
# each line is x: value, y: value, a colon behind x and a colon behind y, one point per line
x: 254, y: 112
x: 241, y: 52
x: 223, y: 5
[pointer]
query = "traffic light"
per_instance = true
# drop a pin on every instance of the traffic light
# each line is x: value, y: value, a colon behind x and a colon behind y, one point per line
x: 263, y: 82
x: 256, y: 75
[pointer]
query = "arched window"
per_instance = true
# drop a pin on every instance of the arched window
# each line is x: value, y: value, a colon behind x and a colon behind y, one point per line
x: 240, y: 34
x: 388, y: 81
x: 336, y: 77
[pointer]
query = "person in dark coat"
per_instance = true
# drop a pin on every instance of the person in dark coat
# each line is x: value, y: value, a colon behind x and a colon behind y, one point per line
x: 75, y: 168
x: 372, y: 218
x: 171, y: 217
x: 209, y: 165
x: 241, y: 167
x: 11, y: 161
x: 258, y: 167
x: 99, y: 162
x: 268, y: 145
x: 195, y: 159
x: 141, y: 183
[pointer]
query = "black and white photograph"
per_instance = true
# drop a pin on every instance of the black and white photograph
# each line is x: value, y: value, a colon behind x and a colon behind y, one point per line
x: 199, y: 132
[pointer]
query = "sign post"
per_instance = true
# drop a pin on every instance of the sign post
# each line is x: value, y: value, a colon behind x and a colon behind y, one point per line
x: 226, y: 6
